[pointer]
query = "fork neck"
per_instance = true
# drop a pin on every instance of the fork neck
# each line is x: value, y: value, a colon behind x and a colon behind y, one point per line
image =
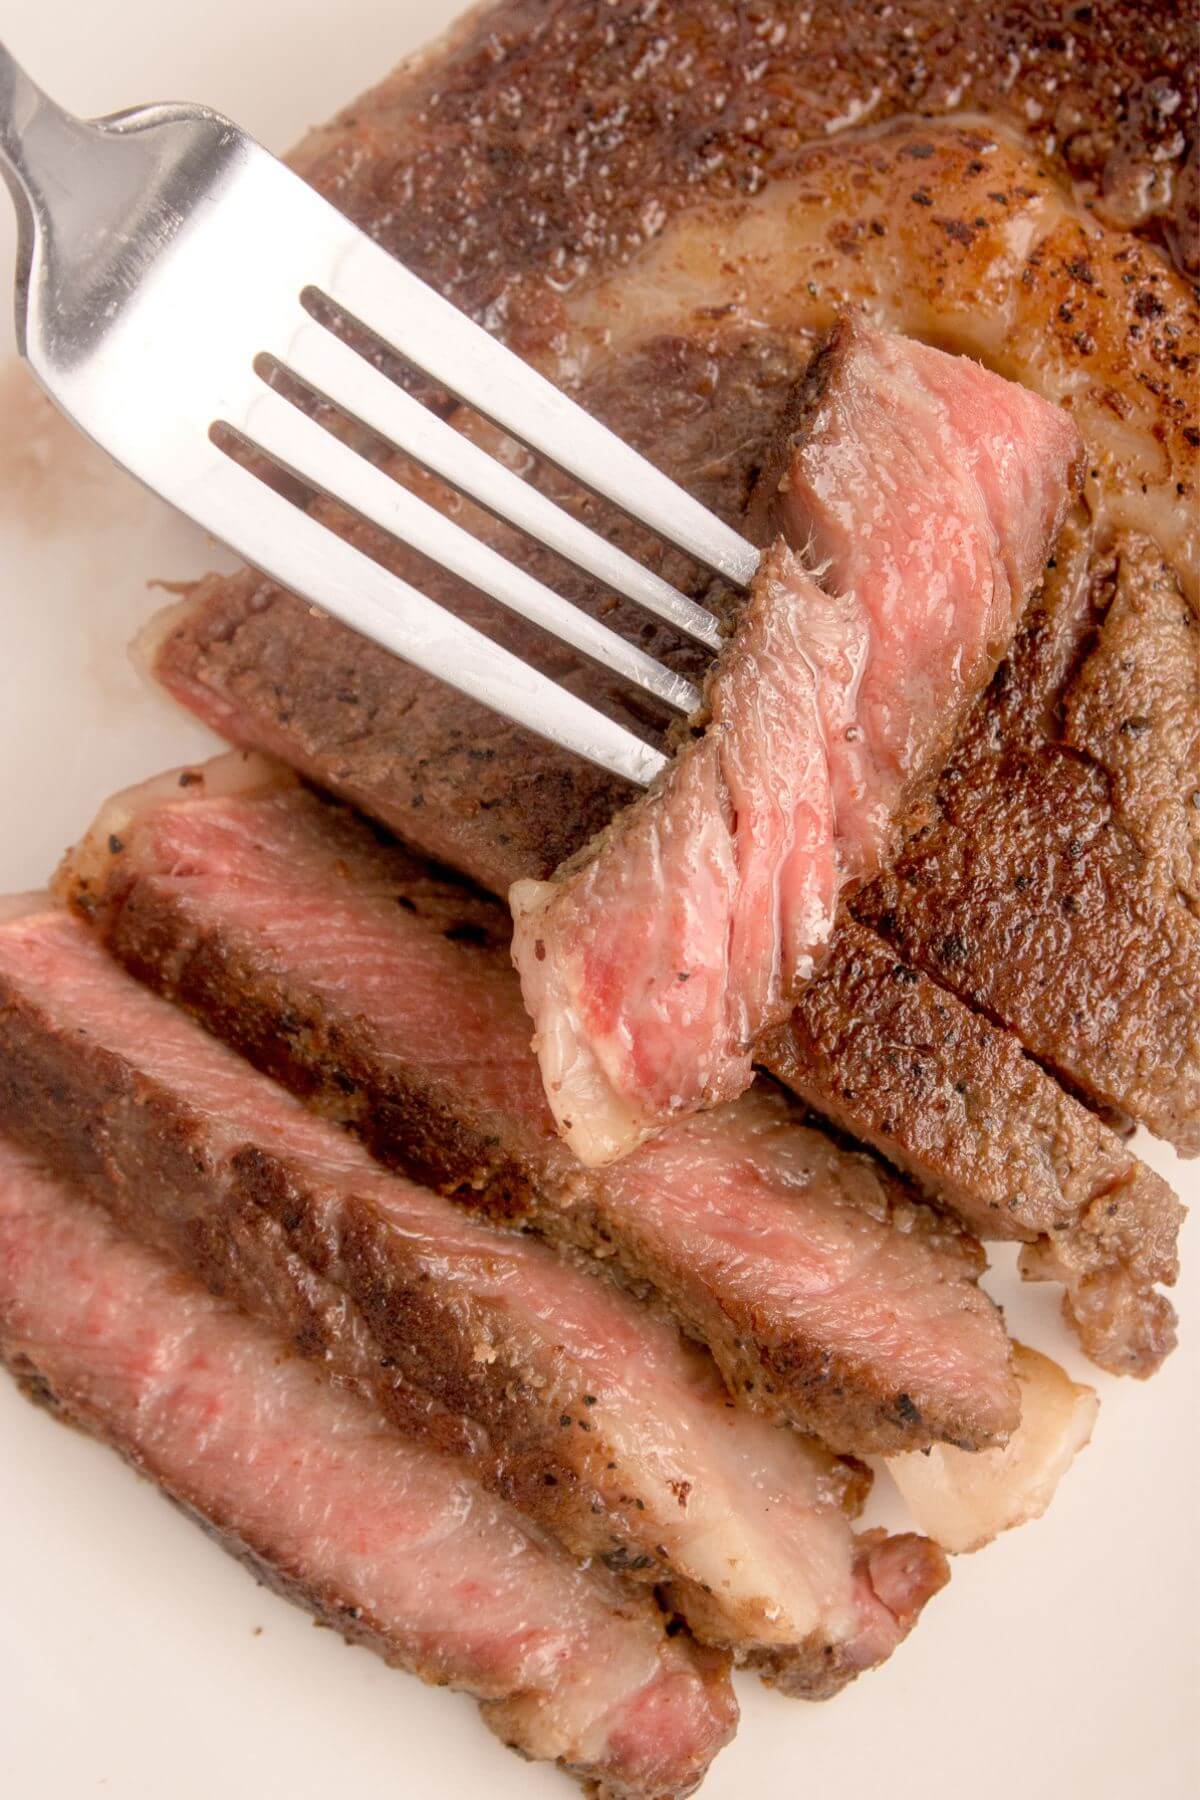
x: 38, y: 140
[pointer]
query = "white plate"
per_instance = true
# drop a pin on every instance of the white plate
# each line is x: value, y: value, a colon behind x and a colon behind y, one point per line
x: 136, y: 1662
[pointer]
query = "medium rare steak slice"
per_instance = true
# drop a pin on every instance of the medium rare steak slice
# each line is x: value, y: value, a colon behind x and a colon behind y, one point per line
x: 927, y: 492
x: 563, y: 1395
x: 384, y: 1539
x: 384, y: 994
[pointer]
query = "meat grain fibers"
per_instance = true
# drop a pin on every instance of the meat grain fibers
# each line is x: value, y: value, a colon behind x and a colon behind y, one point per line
x: 926, y: 491
x: 561, y: 1393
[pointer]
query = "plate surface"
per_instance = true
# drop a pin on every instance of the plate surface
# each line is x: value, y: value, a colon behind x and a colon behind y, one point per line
x: 137, y: 1662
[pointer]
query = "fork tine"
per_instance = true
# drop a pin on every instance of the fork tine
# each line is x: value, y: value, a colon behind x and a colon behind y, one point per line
x: 306, y: 449
x: 430, y: 333
x: 304, y: 556
x: 339, y: 374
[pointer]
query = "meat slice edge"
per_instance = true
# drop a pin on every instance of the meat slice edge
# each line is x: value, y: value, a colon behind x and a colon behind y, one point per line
x: 900, y: 1062
x: 563, y: 1395
x: 382, y: 993
x: 388, y: 1542
x: 1048, y: 886
x: 965, y: 1502
x: 927, y: 492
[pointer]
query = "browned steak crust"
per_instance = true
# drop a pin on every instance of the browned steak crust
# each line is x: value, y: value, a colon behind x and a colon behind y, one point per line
x: 1050, y: 885
x: 555, y: 138
x: 899, y: 1062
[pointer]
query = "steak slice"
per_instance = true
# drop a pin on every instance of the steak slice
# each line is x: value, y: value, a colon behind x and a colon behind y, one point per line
x: 382, y: 1538
x: 1133, y: 710
x: 1050, y: 886
x: 565, y: 1396
x: 384, y: 994
x: 927, y: 492
x: 899, y: 1062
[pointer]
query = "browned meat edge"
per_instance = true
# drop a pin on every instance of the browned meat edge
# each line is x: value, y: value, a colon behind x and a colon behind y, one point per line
x: 1049, y: 889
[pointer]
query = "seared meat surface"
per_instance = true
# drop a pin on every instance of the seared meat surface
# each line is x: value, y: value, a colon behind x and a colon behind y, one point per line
x: 548, y: 137
x: 898, y: 1061
x: 1049, y: 884
x: 382, y: 1538
x: 384, y: 993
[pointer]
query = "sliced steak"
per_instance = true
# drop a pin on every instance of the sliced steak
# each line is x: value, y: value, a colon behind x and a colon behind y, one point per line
x: 1133, y: 709
x: 564, y: 1396
x: 772, y: 223
x: 899, y: 1062
x: 382, y: 1538
x: 384, y: 994
x: 927, y: 493
x: 1036, y: 1152
x: 1049, y: 887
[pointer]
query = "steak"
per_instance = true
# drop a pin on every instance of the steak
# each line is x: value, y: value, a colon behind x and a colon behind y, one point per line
x: 564, y: 1396
x: 382, y: 1538
x: 998, y: 264
x: 383, y: 994
x: 927, y: 493
x: 674, y: 263
x: 898, y: 1061
x: 1051, y: 885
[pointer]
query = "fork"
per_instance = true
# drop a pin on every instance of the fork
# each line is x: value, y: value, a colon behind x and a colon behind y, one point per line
x: 170, y: 270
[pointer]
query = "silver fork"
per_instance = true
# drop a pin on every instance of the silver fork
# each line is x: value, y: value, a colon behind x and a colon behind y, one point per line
x: 168, y: 266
